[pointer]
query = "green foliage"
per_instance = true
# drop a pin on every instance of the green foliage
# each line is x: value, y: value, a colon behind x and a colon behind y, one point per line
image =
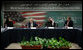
x: 63, y: 43
x: 41, y: 41
x: 23, y: 42
x: 53, y: 42
x: 31, y: 39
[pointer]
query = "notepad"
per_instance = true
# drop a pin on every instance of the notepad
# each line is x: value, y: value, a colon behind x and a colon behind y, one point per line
x: 50, y: 27
x: 33, y: 27
x: 70, y: 27
x: 10, y: 27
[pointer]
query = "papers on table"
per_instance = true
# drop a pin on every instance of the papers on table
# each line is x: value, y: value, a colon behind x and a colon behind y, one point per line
x: 70, y: 27
x: 33, y: 27
x: 66, y: 27
x: 50, y: 27
x: 10, y: 27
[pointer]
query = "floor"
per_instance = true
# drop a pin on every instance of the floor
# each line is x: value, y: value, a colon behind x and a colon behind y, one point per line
x: 17, y: 46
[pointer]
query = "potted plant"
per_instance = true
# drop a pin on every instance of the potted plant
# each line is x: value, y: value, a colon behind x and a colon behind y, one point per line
x: 40, y: 43
x: 55, y: 44
x: 51, y: 43
x: 31, y: 44
x: 63, y: 44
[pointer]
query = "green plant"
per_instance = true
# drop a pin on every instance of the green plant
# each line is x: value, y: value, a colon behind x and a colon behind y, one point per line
x: 63, y: 43
x: 32, y: 42
x: 38, y: 41
x: 31, y: 39
x: 41, y: 41
x: 23, y: 42
x: 53, y: 42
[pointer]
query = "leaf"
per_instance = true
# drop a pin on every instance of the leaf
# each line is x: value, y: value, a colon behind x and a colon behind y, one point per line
x: 31, y: 39
x: 23, y: 39
x: 36, y: 38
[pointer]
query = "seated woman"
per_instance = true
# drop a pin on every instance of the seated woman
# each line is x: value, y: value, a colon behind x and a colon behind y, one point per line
x: 9, y: 22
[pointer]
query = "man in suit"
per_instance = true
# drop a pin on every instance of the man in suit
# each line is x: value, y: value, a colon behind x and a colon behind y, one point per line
x: 50, y: 23
x: 68, y: 22
x: 31, y: 23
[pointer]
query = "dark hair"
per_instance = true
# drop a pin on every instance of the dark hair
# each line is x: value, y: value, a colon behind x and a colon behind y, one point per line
x: 7, y: 20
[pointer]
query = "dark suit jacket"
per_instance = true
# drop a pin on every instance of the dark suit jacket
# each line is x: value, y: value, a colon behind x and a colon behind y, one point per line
x: 49, y: 24
x: 70, y: 23
x: 34, y: 24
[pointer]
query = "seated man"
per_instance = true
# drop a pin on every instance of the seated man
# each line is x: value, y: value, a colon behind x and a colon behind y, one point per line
x: 50, y: 23
x: 31, y: 23
x: 68, y: 22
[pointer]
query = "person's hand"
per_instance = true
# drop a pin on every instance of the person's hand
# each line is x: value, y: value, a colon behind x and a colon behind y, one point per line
x: 66, y: 27
x: 39, y: 25
x: 5, y: 25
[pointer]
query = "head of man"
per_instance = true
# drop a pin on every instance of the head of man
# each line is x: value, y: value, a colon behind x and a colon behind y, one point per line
x: 68, y: 18
x: 50, y: 19
x: 31, y: 20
